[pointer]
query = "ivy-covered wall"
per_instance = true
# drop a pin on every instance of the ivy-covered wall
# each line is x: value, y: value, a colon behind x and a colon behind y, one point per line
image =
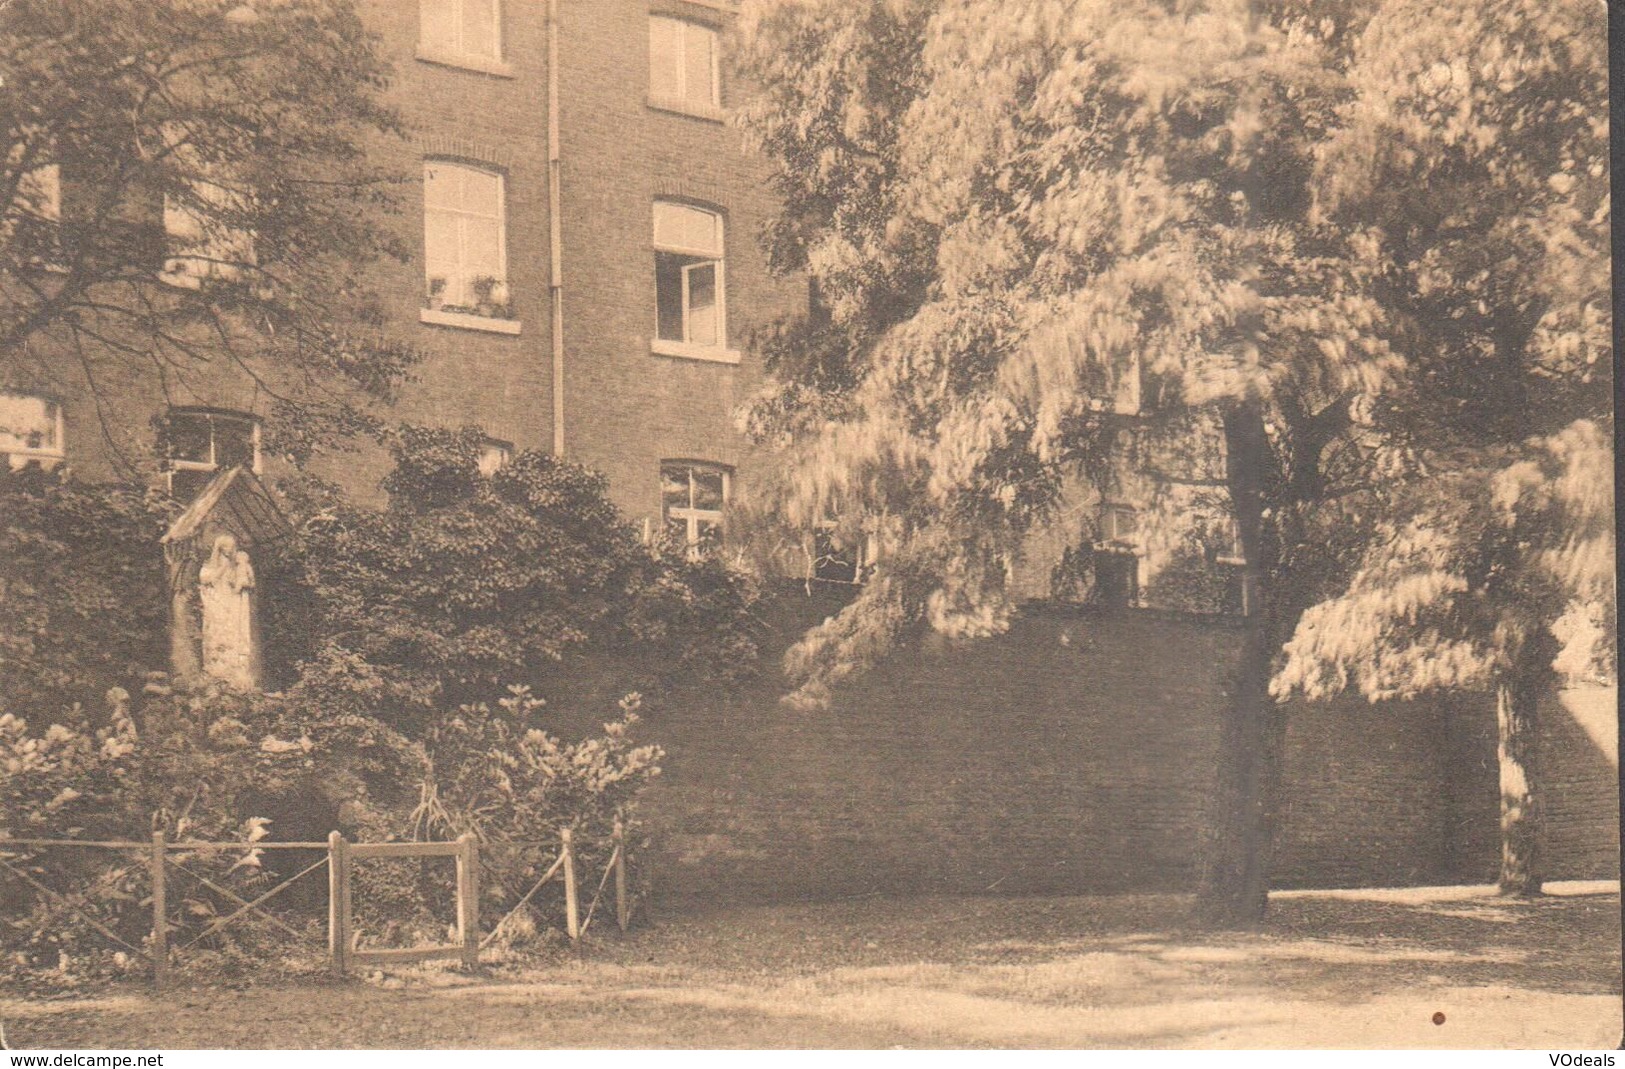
x: 1074, y: 754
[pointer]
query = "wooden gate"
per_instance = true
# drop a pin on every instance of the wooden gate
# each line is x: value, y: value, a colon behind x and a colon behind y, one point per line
x: 342, y: 853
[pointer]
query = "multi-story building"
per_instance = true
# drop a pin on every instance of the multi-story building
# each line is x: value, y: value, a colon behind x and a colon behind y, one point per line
x: 587, y: 271
x: 585, y: 281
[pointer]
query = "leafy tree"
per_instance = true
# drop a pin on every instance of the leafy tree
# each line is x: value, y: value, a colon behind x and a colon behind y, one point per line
x: 1071, y: 194
x: 1471, y: 160
x: 186, y: 190
x: 1010, y: 209
x: 82, y: 592
x: 467, y: 583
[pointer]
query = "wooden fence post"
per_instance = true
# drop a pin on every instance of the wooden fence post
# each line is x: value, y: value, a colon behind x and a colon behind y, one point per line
x: 468, y: 898
x: 338, y: 903
x: 623, y: 914
x: 572, y: 919
x: 160, y: 913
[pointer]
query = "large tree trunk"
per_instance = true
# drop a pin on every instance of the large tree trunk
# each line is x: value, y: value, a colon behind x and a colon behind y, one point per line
x: 1516, y: 699
x: 1233, y: 888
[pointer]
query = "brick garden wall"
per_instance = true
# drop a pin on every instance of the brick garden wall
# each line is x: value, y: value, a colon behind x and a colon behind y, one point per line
x: 1075, y: 754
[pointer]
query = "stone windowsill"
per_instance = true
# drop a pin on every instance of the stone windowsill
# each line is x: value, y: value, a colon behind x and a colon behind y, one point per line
x: 716, y: 354
x: 481, y: 64
x: 689, y: 110
x: 17, y: 459
x: 466, y: 321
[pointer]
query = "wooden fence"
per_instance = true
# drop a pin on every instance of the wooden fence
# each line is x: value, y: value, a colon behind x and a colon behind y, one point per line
x: 339, y: 858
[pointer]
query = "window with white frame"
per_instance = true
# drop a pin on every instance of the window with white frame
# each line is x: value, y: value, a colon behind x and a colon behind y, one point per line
x: 1231, y: 559
x: 693, y: 501
x: 465, y: 254
x: 1229, y: 547
x: 1119, y: 523
x: 453, y: 28
x: 200, y: 443
x: 689, y: 277
x: 494, y: 454
x: 683, y: 66
x: 202, y: 244
x: 30, y: 430
x: 1117, y: 564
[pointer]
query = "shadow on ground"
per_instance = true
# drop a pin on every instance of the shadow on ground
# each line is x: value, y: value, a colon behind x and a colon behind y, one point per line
x: 1329, y: 970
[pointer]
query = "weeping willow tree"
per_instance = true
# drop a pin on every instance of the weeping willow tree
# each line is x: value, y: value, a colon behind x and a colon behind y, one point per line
x: 1472, y: 157
x: 1010, y: 210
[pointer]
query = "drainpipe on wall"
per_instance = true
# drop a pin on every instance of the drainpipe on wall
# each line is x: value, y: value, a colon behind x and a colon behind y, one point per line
x: 554, y: 226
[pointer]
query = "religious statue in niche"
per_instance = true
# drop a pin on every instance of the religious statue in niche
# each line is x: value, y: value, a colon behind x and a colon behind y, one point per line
x: 226, y: 590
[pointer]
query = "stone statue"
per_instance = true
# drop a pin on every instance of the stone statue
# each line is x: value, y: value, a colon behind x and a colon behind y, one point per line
x: 226, y: 589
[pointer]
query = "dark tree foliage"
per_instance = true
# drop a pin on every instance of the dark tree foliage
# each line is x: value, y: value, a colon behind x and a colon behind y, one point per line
x: 186, y: 192
x: 81, y: 590
x: 467, y: 583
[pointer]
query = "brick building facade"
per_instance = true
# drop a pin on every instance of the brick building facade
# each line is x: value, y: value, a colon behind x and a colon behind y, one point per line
x: 551, y: 138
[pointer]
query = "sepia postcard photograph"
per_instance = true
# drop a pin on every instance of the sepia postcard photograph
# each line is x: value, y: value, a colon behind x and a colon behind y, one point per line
x: 903, y: 525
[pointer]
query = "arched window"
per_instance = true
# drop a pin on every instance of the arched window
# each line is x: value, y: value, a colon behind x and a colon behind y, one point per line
x: 465, y: 251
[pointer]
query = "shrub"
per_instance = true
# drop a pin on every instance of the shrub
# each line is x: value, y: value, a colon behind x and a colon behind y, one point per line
x: 207, y: 763
x: 410, y: 636
x: 82, y: 591
x: 497, y: 775
x: 466, y: 583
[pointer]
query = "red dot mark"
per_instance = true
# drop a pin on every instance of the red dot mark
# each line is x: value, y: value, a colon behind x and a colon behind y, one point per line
x: 1438, y: 1018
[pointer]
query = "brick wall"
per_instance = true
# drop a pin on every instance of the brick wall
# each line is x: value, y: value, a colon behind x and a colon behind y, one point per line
x: 500, y: 383
x: 626, y: 408
x: 1075, y: 754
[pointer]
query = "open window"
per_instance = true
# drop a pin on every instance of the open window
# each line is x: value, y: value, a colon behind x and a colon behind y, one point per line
x: 690, y: 287
x: 1117, y: 555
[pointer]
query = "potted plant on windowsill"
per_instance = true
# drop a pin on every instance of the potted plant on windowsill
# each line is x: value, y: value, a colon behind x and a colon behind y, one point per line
x: 490, y: 296
x: 437, y: 293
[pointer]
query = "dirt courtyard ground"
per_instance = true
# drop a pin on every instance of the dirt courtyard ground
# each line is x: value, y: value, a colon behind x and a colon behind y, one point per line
x: 1331, y: 969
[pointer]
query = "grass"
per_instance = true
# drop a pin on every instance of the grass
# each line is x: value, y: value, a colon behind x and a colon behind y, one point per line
x: 1330, y: 969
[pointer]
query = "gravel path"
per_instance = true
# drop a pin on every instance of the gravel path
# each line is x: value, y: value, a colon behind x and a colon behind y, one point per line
x: 1344, y: 969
